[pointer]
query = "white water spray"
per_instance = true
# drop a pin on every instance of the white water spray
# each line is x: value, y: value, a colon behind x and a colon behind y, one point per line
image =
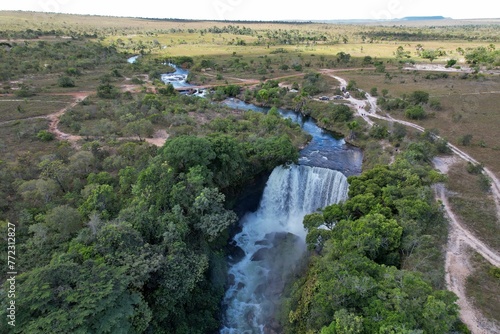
x: 273, y: 240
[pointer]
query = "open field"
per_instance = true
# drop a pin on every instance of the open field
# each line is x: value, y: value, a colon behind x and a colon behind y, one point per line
x: 482, y: 287
x: 19, y: 138
x: 475, y: 207
x: 468, y: 106
x: 12, y: 108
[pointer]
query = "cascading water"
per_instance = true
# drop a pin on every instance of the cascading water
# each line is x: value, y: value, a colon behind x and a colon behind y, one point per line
x: 273, y: 240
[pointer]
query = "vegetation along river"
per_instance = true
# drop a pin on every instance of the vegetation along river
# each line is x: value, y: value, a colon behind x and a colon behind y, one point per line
x: 271, y: 240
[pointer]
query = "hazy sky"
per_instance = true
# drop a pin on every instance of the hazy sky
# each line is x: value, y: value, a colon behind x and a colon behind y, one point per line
x: 264, y: 9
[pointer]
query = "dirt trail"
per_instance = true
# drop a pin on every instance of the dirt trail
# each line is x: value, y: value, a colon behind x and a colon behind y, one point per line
x: 458, y: 268
x: 457, y: 264
x: 55, y: 117
x: 359, y: 105
x: 158, y: 138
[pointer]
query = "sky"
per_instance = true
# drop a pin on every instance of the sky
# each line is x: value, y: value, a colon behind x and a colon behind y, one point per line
x: 264, y: 10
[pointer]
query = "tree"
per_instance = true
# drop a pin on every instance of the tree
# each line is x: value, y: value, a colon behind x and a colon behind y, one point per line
x: 398, y: 131
x: 120, y: 245
x: 419, y: 97
x: 232, y: 90
x: 230, y: 164
x: 352, y: 127
x: 69, y: 297
x: 314, y: 83
x: 429, y: 54
x: 401, y: 53
x: 141, y: 128
x: 45, y: 135
x: 39, y: 192
x: 265, y: 154
x: 65, y: 220
x: 81, y: 163
x: 213, y: 218
x: 168, y: 90
x: 439, y: 317
x: 184, y: 152
x: 55, y: 170
x: 107, y: 91
x: 101, y: 199
x: 343, y: 57
x: 344, y: 323
x: 379, y: 132
x: 263, y: 96
x: 415, y: 112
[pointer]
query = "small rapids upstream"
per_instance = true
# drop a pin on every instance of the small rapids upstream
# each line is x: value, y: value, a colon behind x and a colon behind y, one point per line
x: 273, y: 241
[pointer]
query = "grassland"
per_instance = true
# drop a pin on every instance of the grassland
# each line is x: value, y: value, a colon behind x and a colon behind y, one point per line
x: 482, y: 287
x: 13, y: 108
x: 475, y: 207
x: 18, y: 139
x: 262, y: 50
x: 238, y: 51
x: 468, y: 106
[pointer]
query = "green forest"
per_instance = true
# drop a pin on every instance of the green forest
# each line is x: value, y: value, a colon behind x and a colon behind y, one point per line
x: 375, y: 267
x: 111, y: 232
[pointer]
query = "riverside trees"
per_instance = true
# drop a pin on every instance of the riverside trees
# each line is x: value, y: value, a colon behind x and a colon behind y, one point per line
x: 376, y: 265
x: 126, y: 237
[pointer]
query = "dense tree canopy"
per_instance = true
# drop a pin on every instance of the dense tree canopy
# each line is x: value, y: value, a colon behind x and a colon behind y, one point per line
x: 130, y: 239
x: 373, y: 272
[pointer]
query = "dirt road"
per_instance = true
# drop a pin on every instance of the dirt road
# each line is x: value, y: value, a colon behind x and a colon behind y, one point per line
x: 458, y: 268
x: 457, y: 263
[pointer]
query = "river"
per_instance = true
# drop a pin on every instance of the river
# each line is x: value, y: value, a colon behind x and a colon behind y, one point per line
x: 271, y: 240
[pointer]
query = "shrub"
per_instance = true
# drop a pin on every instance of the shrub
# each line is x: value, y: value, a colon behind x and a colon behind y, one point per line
x: 465, y: 140
x: 474, y: 169
x: 351, y: 85
x: 65, y: 81
x: 484, y: 183
x: 435, y: 104
x: 442, y: 146
x: 415, y: 112
x: 73, y: 71
x: 25, y: 91
x: 419, y: 97
x: 450, y: 63
x: 107, y: 91
x: 45, y: 135
x: 379, y: 132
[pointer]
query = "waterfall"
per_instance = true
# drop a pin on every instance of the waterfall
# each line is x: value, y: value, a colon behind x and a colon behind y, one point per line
x: 273, y: 240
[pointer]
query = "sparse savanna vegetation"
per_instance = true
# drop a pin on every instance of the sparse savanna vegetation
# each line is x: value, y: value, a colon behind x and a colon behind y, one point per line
x: 118, y: 234
x: 471, y: 199
x: 482, y: 286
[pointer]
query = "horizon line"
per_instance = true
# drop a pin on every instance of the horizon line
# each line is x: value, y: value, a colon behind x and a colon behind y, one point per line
x: 417, y: 18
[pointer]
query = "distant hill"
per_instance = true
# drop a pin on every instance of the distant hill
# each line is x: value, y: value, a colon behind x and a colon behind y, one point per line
x: 368, y: 21
x: 423, y: 18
